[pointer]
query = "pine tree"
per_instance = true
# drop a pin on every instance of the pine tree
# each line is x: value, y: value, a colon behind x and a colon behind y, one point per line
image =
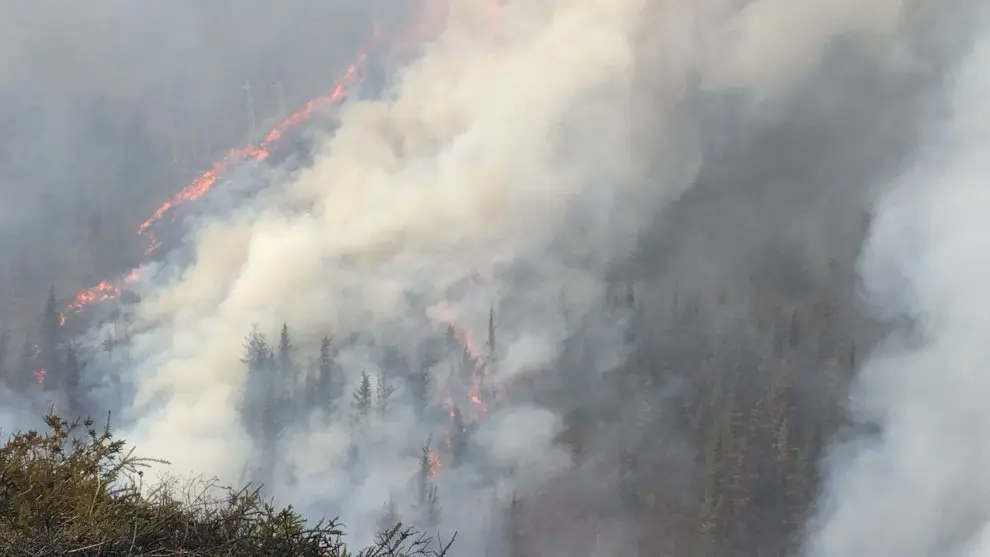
x: 458, y: 436
x: 288, y: 379
x: 362, y: 400
x: 327, y: 380
x: 389, y: 517
x: 285, y: 349
x: 51, y: 343
x: 419, y: 384
x: 261, y: 409
x: 384, y: 392
x: 427, y: 497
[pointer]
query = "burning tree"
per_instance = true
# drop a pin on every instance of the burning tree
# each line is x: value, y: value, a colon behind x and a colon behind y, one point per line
x: 427, y: 497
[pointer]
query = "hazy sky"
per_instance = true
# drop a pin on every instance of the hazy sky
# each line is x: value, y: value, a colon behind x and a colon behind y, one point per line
x: 109, y: 106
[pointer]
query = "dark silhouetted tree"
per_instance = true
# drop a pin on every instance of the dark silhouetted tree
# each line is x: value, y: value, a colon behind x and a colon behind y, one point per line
x: 458, y: 436
x: 328, y: 382
x: 419, y: 383
x: 51, y: 346
x: 362, y: 400
x: 427, y: 496
x: 383, y: 391
x: 261, y: 409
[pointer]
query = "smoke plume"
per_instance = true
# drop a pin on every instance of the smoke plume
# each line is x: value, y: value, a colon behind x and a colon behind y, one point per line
x: 916, y: 487
x: 532, y: 151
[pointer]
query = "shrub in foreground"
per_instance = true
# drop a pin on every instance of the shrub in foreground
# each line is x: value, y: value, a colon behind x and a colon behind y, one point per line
x: 75, y: 490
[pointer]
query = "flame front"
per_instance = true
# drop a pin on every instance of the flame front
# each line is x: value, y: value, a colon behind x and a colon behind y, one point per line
x: 196, y: 189
x: 202, y: 184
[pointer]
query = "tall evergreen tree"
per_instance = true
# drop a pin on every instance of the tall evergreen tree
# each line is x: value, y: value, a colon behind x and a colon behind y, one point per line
x: 427, y: 497
x: 362, y: 401
x: 458, y: 436
x: 285, y: 350
x: 288, y: 378
x: 384, y: 391
x: 52, y: 344
x: 419, y: 383
x: 327, y: 380
x: 262, y: 404
x: 390, y: 515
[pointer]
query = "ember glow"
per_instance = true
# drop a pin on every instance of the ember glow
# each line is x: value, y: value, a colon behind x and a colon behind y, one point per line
x: 196, y: 189
x: 202, y: 184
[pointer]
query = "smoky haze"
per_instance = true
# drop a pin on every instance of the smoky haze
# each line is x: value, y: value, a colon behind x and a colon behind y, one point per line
x: 649, y: 276
x: 108, y: 107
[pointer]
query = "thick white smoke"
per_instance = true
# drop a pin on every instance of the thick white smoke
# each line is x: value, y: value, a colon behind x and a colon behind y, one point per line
x: 508, y: 149
x: 920, y: 488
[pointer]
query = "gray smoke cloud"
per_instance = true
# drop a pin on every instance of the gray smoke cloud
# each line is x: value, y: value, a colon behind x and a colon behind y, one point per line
x: 530, y: 152
x: 917, y: 488
x: 132, y: 101
x: 547, y: 145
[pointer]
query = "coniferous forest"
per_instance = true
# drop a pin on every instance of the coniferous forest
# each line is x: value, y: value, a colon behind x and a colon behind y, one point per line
x: 541, y: 278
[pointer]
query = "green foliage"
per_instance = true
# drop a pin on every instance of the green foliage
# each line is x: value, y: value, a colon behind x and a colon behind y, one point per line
x: 76, y: 490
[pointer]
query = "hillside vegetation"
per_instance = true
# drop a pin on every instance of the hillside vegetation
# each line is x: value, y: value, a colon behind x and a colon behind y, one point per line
x: 75, y: 490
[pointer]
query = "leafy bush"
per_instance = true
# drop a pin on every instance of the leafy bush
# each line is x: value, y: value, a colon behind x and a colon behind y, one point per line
x: 75, y: 490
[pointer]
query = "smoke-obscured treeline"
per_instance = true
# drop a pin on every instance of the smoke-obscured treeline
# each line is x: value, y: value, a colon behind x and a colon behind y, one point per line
x: 725, y: 416
x: 132, y: 102
x: 673, y: 353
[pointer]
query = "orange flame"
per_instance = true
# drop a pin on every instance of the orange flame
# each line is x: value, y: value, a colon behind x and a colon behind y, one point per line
x: 196, y: 189
x: 433, y: 462
x: 39, y: 377
x: 202, y: 184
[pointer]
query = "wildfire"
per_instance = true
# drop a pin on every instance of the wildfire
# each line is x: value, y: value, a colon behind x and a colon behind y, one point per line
x: 433, y: 462
x: 202, y: 184
x: 39, y: 377
x: 205, y: 181
x: 196, y: 189
x: 104, y: 290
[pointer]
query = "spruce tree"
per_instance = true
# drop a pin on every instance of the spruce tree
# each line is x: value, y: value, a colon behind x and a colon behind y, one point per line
x: 384, y: 391
x: 362, y: 400
x: 427, y: 497
x: 287, y: 378
x: 51, y: 343
x: 458, y: 436
x: 327, y: 380
x: 419, y: 384
x: 285, y: 349
x: 389, y: 517
x: 260, y: 410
